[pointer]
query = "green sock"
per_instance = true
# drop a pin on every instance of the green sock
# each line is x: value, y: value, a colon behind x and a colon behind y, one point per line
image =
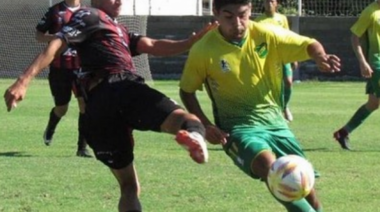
x: 287, y: 94
x: 298, y: 206
x: 357, y: 119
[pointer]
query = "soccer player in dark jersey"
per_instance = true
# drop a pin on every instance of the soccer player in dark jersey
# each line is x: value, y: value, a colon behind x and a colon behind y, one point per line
x: 62, y: 71
x: 117, y: 99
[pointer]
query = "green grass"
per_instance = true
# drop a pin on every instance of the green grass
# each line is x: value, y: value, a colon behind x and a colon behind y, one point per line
x: 36, y: 178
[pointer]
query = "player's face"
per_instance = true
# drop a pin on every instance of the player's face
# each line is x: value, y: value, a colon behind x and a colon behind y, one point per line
x: 270, y: 6
x: 233, y: 20
x: 111, y: 7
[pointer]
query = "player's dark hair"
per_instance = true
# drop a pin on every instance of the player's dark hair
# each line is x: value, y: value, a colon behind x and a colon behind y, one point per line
x: 218, y: 4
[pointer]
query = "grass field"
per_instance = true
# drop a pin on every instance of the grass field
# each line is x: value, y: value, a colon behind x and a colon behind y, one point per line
x: 36, y: 178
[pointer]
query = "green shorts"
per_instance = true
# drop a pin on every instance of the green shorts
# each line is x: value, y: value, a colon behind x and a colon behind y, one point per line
x: 287, y: 70
x: 373, y: 84
x: 245, y: 144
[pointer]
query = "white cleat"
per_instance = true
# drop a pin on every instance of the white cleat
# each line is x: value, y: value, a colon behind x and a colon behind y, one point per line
x: 195, y: 144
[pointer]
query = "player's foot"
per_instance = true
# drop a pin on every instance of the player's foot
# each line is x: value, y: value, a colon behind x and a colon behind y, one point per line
x: 84, y: 153
x: 342, y: 137
x: 195, y: 144
x: 48, y: 136
x: 288, y: 115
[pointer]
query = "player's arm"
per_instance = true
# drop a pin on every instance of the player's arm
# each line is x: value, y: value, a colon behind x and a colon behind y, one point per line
x: 325, y: 62
x: 365, y: 68
x: 167, y: 47
x: 16, y: 92
x: 213, y: 134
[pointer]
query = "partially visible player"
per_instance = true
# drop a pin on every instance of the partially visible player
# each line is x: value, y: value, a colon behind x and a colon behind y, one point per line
x: 271, y: 16
x: 118, y: 100
x: 240, y: 66
x: 62, y: 79
x: 366, y: 28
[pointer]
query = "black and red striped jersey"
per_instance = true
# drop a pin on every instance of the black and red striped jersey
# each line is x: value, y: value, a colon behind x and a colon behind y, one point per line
x: 52, y: 22
x: 104, y: 46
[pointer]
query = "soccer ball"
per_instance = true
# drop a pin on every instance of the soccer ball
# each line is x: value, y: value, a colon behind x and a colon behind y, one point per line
x: 291, y: 178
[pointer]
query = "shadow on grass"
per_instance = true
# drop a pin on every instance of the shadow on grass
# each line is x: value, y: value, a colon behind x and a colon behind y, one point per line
x: 321, y: 149
x: 14, y: 154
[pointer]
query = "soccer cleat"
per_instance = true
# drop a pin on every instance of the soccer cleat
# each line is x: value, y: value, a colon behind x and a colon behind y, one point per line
x: 48, y: 137
x: 342, y: 137
x: 288, y: 115
x: 194, y: 143
x: 84, y: 153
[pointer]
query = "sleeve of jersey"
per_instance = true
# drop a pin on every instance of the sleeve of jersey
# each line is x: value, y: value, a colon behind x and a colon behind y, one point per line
x: 82, y: 25
x: 362, y: 24
x: 292, y: 47
x: 134, y: 39
x: 46, y: 21
x: 194, y: 73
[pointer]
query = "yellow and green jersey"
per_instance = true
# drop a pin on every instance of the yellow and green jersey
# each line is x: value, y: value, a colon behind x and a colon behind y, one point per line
x: 244, y: 83
x: 277, y: 19
x: 369, y: 24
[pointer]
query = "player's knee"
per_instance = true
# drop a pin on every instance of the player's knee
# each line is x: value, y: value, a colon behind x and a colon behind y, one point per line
x: 61, y: 110
x: 261, y: 164
x: 373, y: 105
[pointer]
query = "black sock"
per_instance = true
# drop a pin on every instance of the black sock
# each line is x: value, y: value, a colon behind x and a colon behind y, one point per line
x: 53, y: 121
x: 194, y: 126
x: 81, y: 139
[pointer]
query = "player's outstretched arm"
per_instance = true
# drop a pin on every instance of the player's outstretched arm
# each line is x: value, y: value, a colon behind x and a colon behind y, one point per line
x: 16, y: 92
x: 168, y: 47
x: 325, y: 62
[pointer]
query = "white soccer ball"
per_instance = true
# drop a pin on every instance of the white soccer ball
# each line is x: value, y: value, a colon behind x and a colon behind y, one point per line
x: 291, y: 178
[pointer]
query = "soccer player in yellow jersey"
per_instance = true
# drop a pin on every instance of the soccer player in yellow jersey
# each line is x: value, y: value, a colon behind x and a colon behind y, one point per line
x: 366, y: 28
x: 240, y: 65
x: 271, y: 16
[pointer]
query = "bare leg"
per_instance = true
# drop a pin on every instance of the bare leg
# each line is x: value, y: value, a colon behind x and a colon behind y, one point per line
x: 129, y: 188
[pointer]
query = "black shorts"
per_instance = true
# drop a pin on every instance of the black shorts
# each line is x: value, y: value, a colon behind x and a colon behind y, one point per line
x: 113, y: 109
x: 62, y: 83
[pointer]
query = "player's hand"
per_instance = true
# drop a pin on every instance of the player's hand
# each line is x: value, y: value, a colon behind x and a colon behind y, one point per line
x: 214, y: 135
x: 196, y: 36
x: 328, y: 63
x: 366, y: 70
x: 15, y: 93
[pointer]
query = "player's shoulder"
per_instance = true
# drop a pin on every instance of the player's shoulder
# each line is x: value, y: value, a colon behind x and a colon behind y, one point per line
x: 267, y: 30
x: 260, y: 17
x: 261, y: 27
x: 88, y: 13
x: 280, y: 15
x: 371, y: 8
x: 206, y: 40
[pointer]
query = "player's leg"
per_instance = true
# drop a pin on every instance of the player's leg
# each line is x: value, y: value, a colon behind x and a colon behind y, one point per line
x: 252, y: 153
x: 129, y: 189
x: 189, y: 132
x: 284, y: 143
x: 111, y: 139
x: 152, y: 110
x: 362, y: 113
x: 82, y: 150
x: 60, y: 87
x: 288, y: 85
